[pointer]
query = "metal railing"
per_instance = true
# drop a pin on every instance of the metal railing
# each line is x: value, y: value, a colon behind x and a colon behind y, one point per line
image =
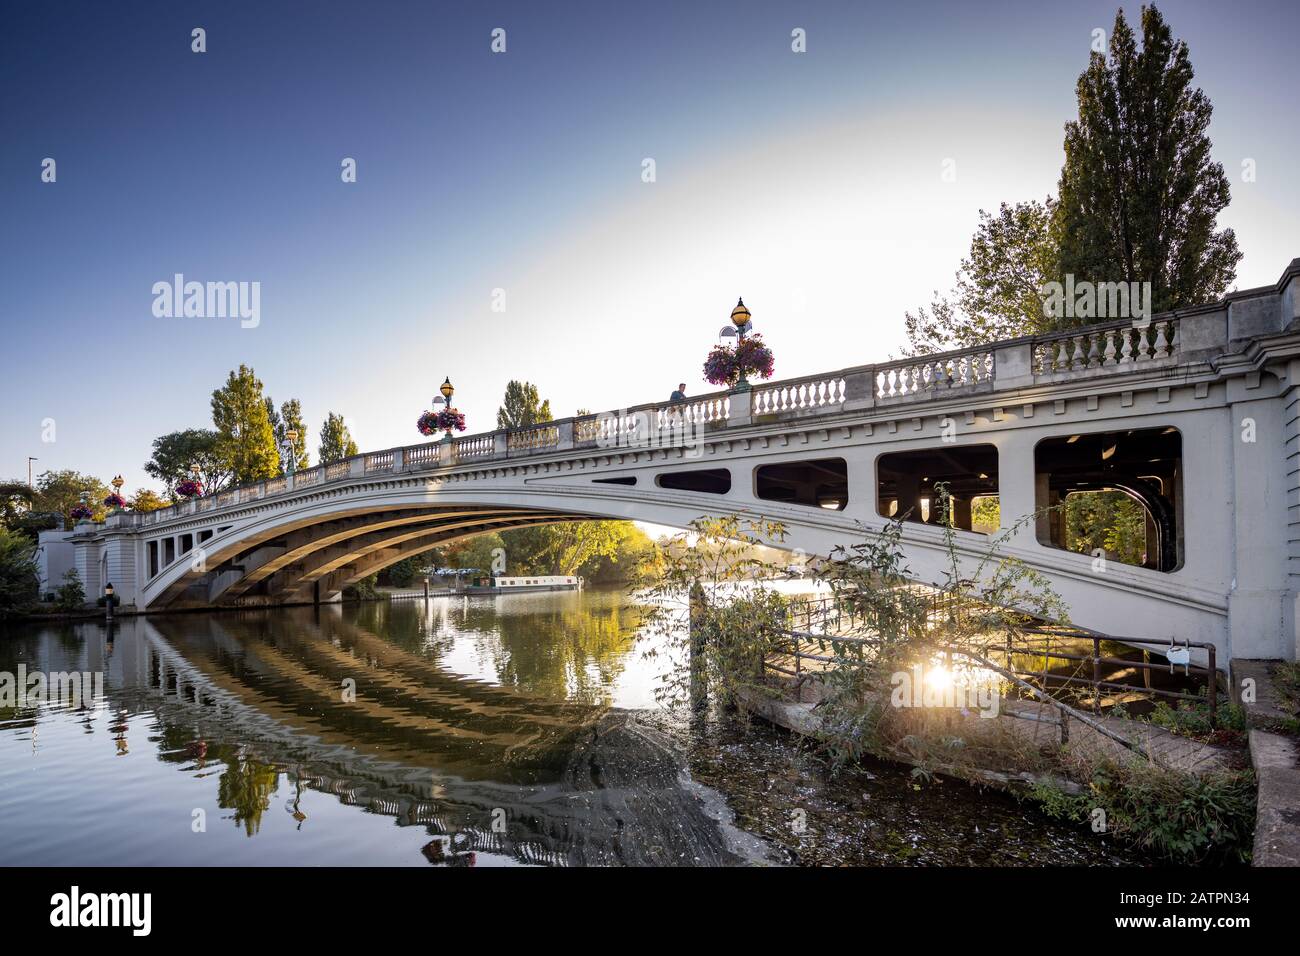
x: 826, y: 621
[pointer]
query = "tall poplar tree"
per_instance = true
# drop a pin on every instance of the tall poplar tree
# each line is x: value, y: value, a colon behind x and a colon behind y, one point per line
x: 246, y: 437
x: 1139, y: 195
x: 289, y: 417
x: 522, y: 406
x: 335, y: 440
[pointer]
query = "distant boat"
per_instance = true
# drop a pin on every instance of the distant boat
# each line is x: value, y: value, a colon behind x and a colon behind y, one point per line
x: 501, y: 584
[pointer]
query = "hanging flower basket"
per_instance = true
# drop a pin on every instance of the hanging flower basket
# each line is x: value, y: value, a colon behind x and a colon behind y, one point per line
x: 189, y: 489
x: 115, y: 501
x: 445, y: 420
x: 728, y: 364
x: 81, y: 513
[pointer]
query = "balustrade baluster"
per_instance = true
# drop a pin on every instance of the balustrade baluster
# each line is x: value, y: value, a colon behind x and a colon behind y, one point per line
x: 1162, y: 345
x: 1108, y: 353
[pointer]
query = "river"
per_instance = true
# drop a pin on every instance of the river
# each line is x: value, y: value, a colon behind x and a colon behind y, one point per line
x: 513, y: 730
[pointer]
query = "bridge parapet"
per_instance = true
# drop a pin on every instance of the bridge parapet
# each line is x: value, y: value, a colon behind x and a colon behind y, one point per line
x: 1113, y: 347
x: 1124, y: 348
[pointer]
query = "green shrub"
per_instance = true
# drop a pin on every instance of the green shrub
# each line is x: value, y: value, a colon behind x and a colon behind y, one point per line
x: 70, y: 596
x: 1180, y: 817
x: 19, y: 580
x: 363, y: 590
x: 1192, y: 718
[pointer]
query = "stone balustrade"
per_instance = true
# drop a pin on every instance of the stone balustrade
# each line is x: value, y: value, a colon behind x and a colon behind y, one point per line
x: 1116, y: 347
x: 930, y: 373
x: 1105, y: 346
x: 812, y: 393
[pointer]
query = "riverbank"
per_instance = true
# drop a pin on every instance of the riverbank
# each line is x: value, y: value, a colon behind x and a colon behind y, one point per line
x: 1275, y: 754
x: 1091, y: 778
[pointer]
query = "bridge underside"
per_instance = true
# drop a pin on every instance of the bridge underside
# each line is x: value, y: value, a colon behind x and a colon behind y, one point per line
x: 316, y: 559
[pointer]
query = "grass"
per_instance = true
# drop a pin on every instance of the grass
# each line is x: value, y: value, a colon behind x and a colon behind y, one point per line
x: 1181, y: 818
x: 1192, y: 719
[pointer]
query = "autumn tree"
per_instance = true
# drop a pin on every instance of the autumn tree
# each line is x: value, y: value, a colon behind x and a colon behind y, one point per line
x: 146, y: 499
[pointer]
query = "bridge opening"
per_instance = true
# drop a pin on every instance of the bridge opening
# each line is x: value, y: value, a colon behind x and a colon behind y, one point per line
x: 712, y: 481
x: 1113, y: 494
x: 820, y: 483
x: 906, y: 481
x: 622, y: 480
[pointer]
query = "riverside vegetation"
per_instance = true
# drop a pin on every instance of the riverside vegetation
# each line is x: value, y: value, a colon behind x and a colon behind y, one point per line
x: 985, y: 601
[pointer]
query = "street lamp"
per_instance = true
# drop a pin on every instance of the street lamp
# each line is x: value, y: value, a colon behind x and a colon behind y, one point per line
x: 740, y: 324
x: 740, y: 318
x: 447, y: 390
x: 289, y: 451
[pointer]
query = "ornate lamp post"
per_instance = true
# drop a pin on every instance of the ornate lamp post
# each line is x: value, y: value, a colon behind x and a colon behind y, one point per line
x: 430, y: 423
x: 289, y: 452
x: 740, y: 324
x: 447, y: 390
x: 117, y: 484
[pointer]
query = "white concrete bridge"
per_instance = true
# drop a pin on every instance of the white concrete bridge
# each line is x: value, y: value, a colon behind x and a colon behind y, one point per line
x: 1195, y: 416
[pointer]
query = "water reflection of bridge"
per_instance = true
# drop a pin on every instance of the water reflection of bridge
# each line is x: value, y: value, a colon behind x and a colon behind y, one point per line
x: 419, y: 744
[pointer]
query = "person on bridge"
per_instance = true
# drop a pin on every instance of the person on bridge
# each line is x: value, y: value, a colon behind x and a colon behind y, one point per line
x: 679, y: 395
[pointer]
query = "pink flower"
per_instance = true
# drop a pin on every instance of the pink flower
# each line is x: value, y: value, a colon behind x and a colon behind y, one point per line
x: 727, y: 364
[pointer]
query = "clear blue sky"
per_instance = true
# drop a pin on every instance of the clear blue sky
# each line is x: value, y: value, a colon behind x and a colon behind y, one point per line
x: 809, y: 183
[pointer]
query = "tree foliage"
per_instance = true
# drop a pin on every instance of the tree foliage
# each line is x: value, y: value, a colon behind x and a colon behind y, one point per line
x: 561, y: 548
x: 335, y: 440
x: 19, y: 580
x: 478, y: 552
x: 522, y: 406
x: 1139, y: 195
x: 146, y: 499
x: 247, y: 440
x: 998, y: 291
x: 61, y: 491
x: 1138, y: 201
x: 174, y: 452
x: 289, y: 418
